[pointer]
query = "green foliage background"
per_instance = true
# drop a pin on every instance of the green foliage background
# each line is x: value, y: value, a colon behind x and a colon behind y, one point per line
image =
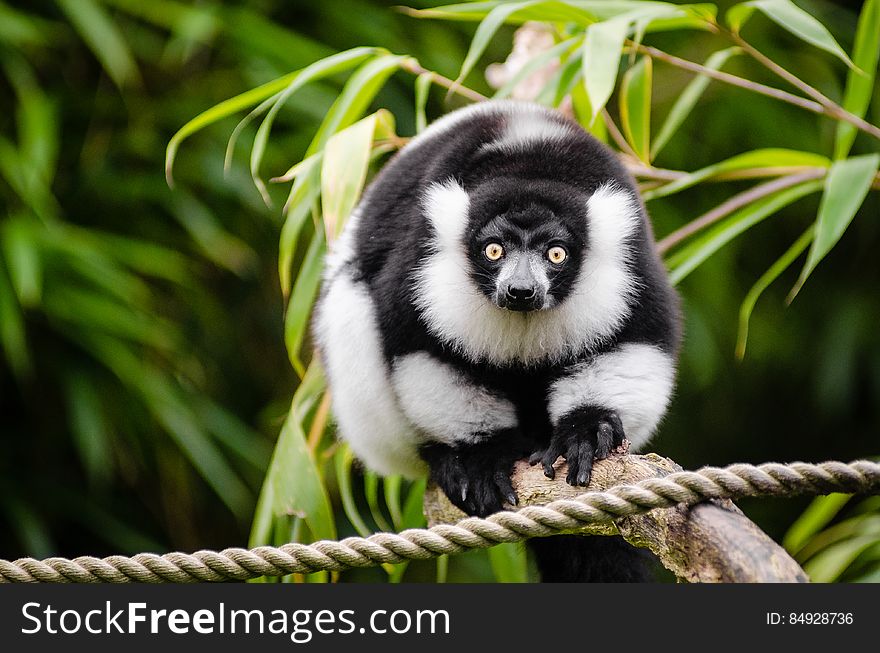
x: 144, y: 378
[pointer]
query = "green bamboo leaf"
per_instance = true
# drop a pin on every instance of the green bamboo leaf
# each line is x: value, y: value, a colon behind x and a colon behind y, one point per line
x: 293, y: 483
x: 303, y: 194
x: 423, y: 86
x: 846, y: 186
x: 601, y: 59
x: 817, y: 515
x: 371, y: 492
x: 685, y: 102
x: 412, y: 514
x: 392, y: 487
x: 302, y: 299
x: 509, y: 563
x: 222, y: 110
x: 790, y: 17
x: 486, y: 30
x: 355, y: 98
x: 547, y: 11
x: 103, y: 38
x: 332, y: 65
x: 686, y: 260
x: 534, y: 64
x: 860, y: 83
x: 343, y: 460
x: 635, y: 107
x: 20, y: 29
x: 344, y: 168
x: 767, y: 158
x: 582, y: 13
x: 751, y: 298
x: 828, y: 565
x: 858, y: 525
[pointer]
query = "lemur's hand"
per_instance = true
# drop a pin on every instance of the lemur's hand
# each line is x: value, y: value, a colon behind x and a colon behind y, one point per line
x: 582, y: 436
x: 475, y: 477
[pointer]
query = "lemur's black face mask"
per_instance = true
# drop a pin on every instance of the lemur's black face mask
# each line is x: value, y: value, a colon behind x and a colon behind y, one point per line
x: 525, y: 259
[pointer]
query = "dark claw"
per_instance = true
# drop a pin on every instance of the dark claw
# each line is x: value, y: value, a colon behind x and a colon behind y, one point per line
x: 535, y: 458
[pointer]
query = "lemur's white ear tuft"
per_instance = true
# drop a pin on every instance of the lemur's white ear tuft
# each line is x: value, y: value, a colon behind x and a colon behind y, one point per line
x: 446, y: 205
x: 613, y: 215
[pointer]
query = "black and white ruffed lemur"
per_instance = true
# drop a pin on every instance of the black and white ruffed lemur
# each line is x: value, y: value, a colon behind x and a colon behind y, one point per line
x: 497, y: 295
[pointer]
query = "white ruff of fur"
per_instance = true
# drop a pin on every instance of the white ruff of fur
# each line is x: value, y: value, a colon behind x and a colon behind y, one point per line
x: 445, y: 405
x: 459, y: 314
x: 529, y: 113
x: 366, y: 410
x: 523, y: 129
x: 636, y: 381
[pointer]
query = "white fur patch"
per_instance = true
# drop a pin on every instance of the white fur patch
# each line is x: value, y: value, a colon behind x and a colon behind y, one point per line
x: 525, y: 111
x: 366, y: 410
x: 524, y: 128
x: 444, y: 404
x: 446, y: 206
x: 636, y: 381
x: 459, y: 314
x: 341, y: 250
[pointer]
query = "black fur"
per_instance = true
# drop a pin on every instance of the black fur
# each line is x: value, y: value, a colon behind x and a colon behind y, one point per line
x: 535, y: 193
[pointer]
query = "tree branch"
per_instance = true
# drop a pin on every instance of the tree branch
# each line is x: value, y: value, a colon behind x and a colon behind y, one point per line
x: 709, y: 542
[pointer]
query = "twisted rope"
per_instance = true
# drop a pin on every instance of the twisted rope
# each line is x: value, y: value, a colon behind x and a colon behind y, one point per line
x: 733, y: 482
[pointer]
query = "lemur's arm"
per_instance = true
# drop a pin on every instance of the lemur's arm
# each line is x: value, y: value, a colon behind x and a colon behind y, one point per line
x: 470, y: 435
x: 599, y: 402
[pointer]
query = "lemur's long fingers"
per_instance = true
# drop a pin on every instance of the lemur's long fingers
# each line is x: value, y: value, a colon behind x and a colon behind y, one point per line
x: 502, y: 480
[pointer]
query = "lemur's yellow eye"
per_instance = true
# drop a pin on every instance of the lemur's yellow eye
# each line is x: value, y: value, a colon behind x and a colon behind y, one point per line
x: 556, y: 254
x: 493, y: 251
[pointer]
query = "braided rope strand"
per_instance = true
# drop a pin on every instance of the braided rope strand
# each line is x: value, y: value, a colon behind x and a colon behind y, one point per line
x: 235, y: 564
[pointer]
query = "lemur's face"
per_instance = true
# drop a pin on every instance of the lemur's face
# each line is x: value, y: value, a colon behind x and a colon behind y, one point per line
x: 525, y: 260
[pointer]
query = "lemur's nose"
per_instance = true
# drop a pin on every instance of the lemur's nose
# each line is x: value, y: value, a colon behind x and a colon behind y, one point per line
x: 521, y: 293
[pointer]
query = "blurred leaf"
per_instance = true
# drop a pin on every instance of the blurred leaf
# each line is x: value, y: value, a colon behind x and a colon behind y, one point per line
x: 235, y: 435
x: 31, y: 528
x: 332, y: 65
x: 688, y: 98
x: 635, y: 107
x: 293, y: 484
x: 98, y: 30
x: 343, y: 459
x: 172, y: 411
x: 90, y: 430
x: 817, y: 515
x: 18, y: 28
x: 769, y: 159
x: 509, y: 563
x: 751, y: 298
x: 860, y: 83
x: 213, y: 241
x: 12, y: 334
x: 846, y: 186
x: 686, y: 260
x: 21, y: 251
x: 790, y: 17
